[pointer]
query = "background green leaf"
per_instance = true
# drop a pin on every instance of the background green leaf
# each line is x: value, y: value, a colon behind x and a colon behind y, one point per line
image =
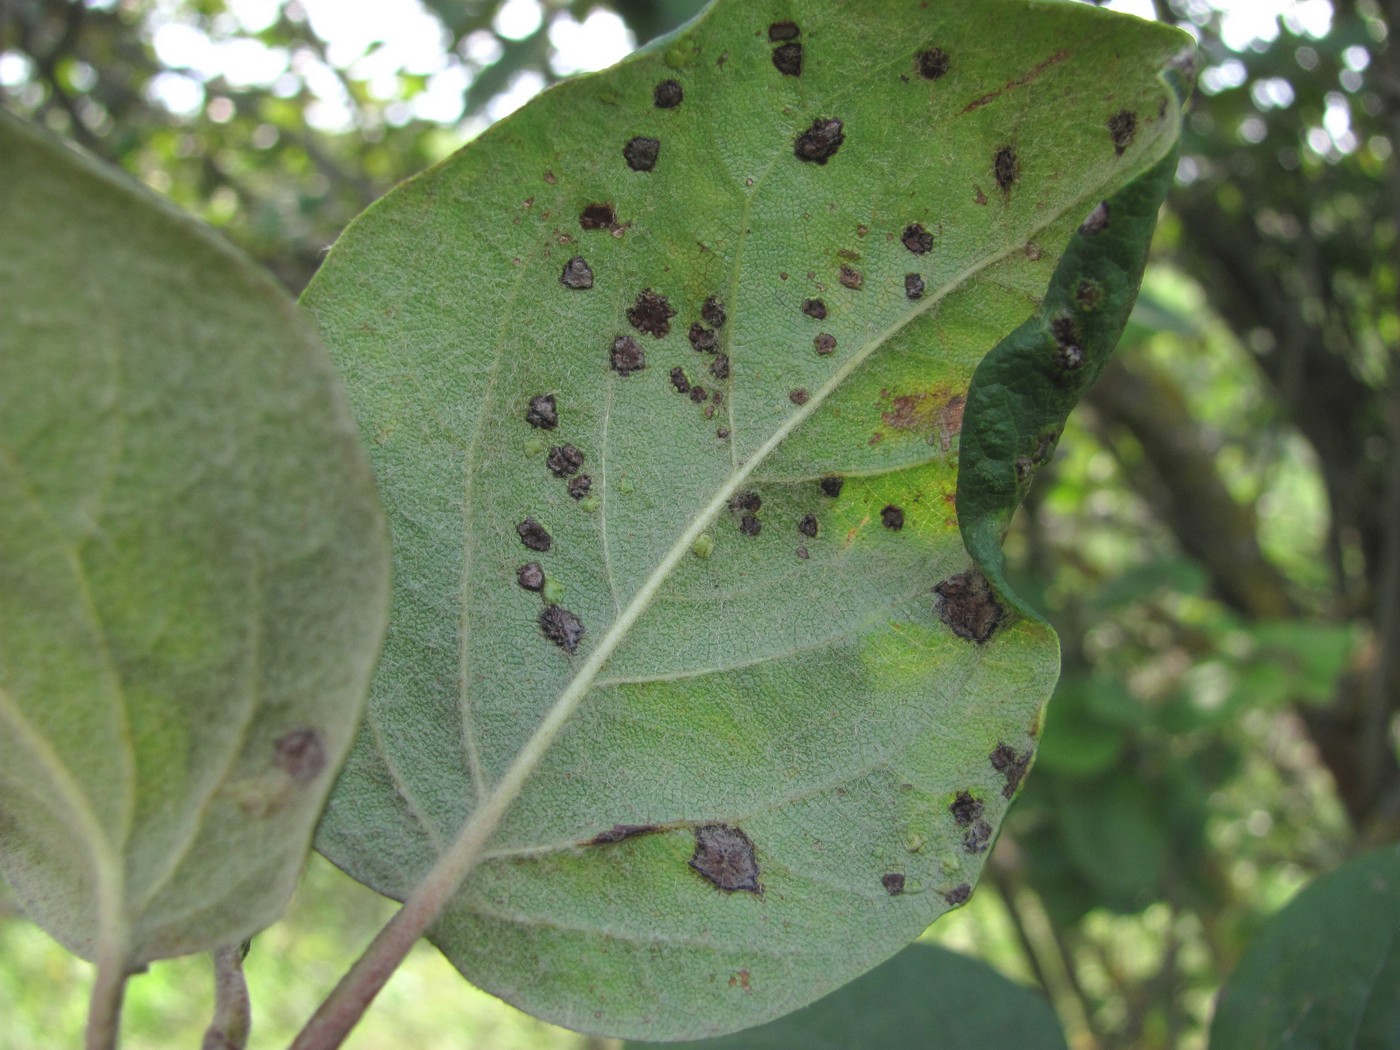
x: 1324, y: 973
x: 193, y: 568
x: 762, y: 649
x: 925, y: 998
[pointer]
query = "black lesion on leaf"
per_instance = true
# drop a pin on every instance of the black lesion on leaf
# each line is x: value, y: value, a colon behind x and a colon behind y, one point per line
x: 977, y: 837
x: 712, y: 312
x: 893, y: 883
x: 749, y: 525
x: 698, y: 394
x: 799, y: 396
x: 780, y: 31
x: 1123, y: 127
x: 627, y: 356
x: 824, y: 343
x: 1012, y: 765
x: 1069, y: 354
x: 542, y: 412
x: 966, y: 810
x: 892, y: 518
x: 530, y: 576
x: 808, y: 525
x: 787, y: 59
x: 577, y: 274
x: 966, y: 604
x: 561, y: 627
x: 534, y: 536
x: 958, y: 895
x: 601, y: 216
x: 651, y: 313
x: 851, y: 278
x: 667, y: 94
x: 580, y: 486
x: 932, y: 63
x: 300, y: 754
x: 819, y: 143
x: 679, y: 381
x: 620, y: 833
x: 564, y: 461
x: 724, y: 856
x: 1096, y: 221
x: 1006, y: 167
x: 831, y: 485
x: 814, y: 308
x: 913, y: 286
x: 641, y: 153
x: 719, y: 367
x: 749, y: 501
x: 917, y: 239
x: 702, y: 339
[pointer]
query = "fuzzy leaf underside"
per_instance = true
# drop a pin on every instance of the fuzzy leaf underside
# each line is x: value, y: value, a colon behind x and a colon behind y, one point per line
x: 802, y: 711
x: 193, y: 568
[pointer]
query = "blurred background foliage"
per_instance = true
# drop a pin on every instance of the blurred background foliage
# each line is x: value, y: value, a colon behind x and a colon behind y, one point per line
x: 1218, y: 541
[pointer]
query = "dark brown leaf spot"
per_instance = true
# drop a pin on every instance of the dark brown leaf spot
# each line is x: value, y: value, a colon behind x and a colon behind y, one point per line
x: 1096, y: 221
x: 850, y: 278
x: 561, y: 627
x: 750, y: 501
x: 725, y: 857
x: 580, y: 486
x: 619, y: 833
x: 958, y: 895
x: 913, y: 286
x: 702, y: 339
x: 577, y: 274
x: 1011, y: 765
x: 977, y: 837
x: 679, y: 381
x: 892, y: 518
x: 787, y: 59
x: 799, y: 396
x: 543, y: 412
x: 932, y: 63
x: 966, y: 810
x: 780, y: 31
x: 1006, y: 166
x: 627, y: 356
x: 831, y: 485
x: 802, y: 553
x: 598, y: 217
x: 713, y: 313
x: 814, y: 308
x: 965, y: 603
x: 1088, y: 295
x: 1123, y: 127
x: 530, y: 576
x: 750, y: 525
x: 819, y: 143
x: 722, y: 433
x: 651, y: 313
x: 698, y: 394
x: 893, y: 883
x: 808, y: 525
x: 825, y: 344
x: 564, y: 461
x: 1069, y: 355
x: 719, y: 367
x: 917, y: 239
x: 667, y: 94
x: 300, y: 754
x: 534, y: 536
x: 641, y: 153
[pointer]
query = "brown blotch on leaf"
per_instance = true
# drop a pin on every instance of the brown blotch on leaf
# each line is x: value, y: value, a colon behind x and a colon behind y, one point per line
x: 713, y: 312
x: 787, y: 59
x: 564, y: 461
x: 641, y: 153
x: 892, y: 518
x: 627, y: 356
x: 702, y: 339
x: 802, y: 553
x: 561, y: 627
x: 750, y: 525
x: 799, y: 396
x: 1069, y: 355
x: 913, y: 286
x: 1010, y: 764
x: 534, y: 536
x: 543, y: 412
x: 814, y: 308
x: 580, y: 486
x: 620, y: 833
x: 851, y: 278
x: 977, y: 837
x: 780, y: 31
x: 831, y: 485
x: 1096, y: 221
x: 966, y: 604
x: 1006, y: 167
x: 679, y: 381
x: 722, y: 433
x: 825, y: 343
x: 1088, y: 295
x: 667, y: 94
x: 1123, y: 127
x: 719, y: 367
x: 725, y: 857
x: 530, y: 576
x: 577, y: 274
x: 808, y: 525
x: 966, y: 810
x: 958, y: 895
x: 698, y: 394
x: 819, y: 143
x: 893, y: 883
x: 651, y: 313
x: 932, y: 63
x: 750, y: 501
x: 300, y: 754
x: 917, y: 239
x: 598, y: 217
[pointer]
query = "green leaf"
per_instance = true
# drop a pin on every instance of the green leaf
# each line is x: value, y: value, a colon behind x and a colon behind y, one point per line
x: 925, y: 998
x: 193, y: 568
x: 758, y: 636
x: 1324, y: 973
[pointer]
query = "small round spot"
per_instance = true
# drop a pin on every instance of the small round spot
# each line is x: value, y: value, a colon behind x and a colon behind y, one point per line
x: 799, y: 396
x: 642, y: 152
x: 627, y: 356
x: 892, y: 518
x: 831, y: 485
x: 917, y: 239
x: 577, y: 274
x: 667, y: 94
x: 814, y: 308
x: 530, y: 576
x: 819, y: 143
x: 543, y: 412
x: 932, y: 63
x: 913, y: 286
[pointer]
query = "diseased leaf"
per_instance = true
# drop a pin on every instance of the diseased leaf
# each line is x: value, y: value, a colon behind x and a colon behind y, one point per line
x: 1324, y: 973
x: 666, y: 380
x: 193, y: 568
x: 925, y: 998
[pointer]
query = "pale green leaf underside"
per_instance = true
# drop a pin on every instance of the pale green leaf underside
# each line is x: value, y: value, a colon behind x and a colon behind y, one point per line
x: 193, y: 568
x: 817, y: 702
